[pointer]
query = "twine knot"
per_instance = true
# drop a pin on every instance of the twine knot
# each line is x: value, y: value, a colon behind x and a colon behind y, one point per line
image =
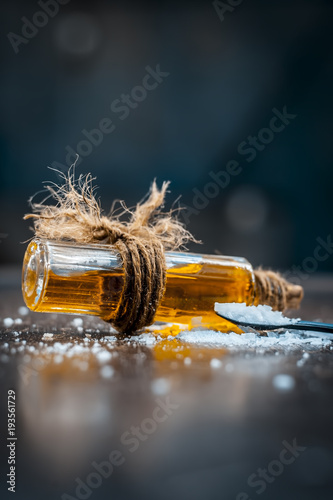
x: 144, y: 275
x: 141, y: 241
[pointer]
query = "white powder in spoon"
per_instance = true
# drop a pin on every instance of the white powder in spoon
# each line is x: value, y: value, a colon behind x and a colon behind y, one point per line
x: 242, y: 313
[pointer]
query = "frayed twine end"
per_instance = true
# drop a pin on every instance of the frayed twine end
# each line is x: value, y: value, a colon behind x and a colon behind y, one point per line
x: 77, y: 216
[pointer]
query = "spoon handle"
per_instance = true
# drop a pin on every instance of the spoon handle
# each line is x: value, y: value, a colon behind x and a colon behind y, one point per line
x: 321, y: 330
x: 312, y: 326
x: 324, y: 330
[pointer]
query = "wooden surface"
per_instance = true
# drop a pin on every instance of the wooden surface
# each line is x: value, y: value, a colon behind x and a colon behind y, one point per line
x: 225, y: 423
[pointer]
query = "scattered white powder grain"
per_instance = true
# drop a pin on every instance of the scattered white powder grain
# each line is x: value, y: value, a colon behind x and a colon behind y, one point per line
x: 107, y: 371
x: 248, y: 340
x: 58, y: 358
x: 18, y: 321
x: 303, y: 359
x: 110, y: 338
x: 83, y: 365
x: 187, y: 361
x: 8, y: 322
x: 160, y: 386
x: 77, y: 322
x: 145, y: 338
x: 76, y: 349
x: 47, y: 336
x: 23, y: 311
x: 283, y: 382
x: 215, y: 363
x: 103, y: 356
x: 253, y: 314
x: 96, y: 348
x: 59, y: 348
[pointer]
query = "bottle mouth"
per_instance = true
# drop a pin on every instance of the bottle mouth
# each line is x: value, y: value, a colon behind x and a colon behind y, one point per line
x: 33, y: 274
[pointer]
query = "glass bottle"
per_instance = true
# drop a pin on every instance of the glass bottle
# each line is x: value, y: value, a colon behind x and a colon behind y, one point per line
x: 63, y: 277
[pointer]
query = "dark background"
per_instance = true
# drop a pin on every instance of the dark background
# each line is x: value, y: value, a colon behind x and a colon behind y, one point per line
x: 225, y: 79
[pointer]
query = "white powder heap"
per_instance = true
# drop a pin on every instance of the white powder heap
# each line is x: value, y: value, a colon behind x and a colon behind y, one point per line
x: 250, y: 340
x: 252, y: 314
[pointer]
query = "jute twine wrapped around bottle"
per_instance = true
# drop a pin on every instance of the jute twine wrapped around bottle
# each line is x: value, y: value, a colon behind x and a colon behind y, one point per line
x: 141, y: 242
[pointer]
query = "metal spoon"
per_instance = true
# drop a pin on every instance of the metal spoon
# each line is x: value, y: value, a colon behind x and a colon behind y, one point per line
x: 324, y: 330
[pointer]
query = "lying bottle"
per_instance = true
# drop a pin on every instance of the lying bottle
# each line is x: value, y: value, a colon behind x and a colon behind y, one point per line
x: 61, y: 277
